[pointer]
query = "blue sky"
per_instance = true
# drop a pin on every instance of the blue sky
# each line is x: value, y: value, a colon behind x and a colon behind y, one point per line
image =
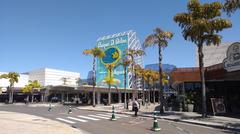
x: 53, y: 33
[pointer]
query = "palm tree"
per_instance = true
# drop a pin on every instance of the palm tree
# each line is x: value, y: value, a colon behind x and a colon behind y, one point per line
x: 30, y: 87
x: 155, y: 78
x: 13, y: 77
x: 142, y: 73
x: 132, y: 53
x: 125, y: 62
x: 148, y: 77
x: 109, y: 80
x: 200, y: 25
x: 96, y: 53
x: 230, y: 6
x: 159, y: 38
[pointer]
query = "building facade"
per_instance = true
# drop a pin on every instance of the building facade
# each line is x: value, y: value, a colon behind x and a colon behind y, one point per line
x: 115, y: 47
x: 213, y: 54
x: 54, y: 77
x: 22, y: 81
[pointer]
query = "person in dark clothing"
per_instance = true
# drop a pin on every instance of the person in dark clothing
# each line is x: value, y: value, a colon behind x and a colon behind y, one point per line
x: 135, y: 106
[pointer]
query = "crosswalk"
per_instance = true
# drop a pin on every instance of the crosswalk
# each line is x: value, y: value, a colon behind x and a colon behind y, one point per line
x: 90, y: 117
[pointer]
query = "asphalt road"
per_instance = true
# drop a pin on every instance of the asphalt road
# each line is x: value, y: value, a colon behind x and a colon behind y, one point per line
x: 99, y: 123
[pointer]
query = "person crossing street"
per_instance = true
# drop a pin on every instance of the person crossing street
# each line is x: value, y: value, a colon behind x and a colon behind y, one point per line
x: 135, y: 106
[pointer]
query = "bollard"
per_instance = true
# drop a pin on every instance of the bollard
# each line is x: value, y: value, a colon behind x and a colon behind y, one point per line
x: 155, y: 123
x: 50, y: 107
x: 69, y: 110
x: 113, y: 115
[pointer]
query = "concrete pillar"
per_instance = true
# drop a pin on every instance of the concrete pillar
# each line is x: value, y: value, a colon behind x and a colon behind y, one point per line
x: 42, y: 97
x: 119, y: 97
x: 98, y: 97
x: 62, y: 97
x: 67, y: 97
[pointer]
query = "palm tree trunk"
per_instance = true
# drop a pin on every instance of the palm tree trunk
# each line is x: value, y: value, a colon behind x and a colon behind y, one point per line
x: 94, y: 79
x: 201, y: 66
x: 32, y: 97
x: 133, y: 82
x: 153, y: 95
x: 160, y: 79
x: 125, y: 87
x: 109, y: 88
x: 143, y: 99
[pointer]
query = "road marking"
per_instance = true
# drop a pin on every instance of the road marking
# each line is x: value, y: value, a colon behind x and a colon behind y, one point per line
x: 68, y: 121
x: 107, y: 115
x: 77, y: 119
x: 90, y: 118
x: 99, y: 116
x: 179, y: 128
x: 118, y: 115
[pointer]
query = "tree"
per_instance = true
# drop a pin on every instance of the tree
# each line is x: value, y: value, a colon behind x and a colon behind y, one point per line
x: 142, y: 73
x: 125, y: 62
x: 109, y: 80
x: 159, y: 38
x: 132, y: 53
x: 200, y: 25
x: 13, y: 77
x: 96, y: 53
x: 155, y: 78
x: 230, y: 6
x: 29, y: 89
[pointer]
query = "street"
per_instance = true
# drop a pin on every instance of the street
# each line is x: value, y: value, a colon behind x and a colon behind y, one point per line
x: 99, y: 122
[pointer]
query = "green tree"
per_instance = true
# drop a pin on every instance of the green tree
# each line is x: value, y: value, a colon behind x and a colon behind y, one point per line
x: 230, y: 6
x: 110, y: 80
x: 142, y: 73
x: 159, y: 38
x: 96, y: 53
x: 29, y: 89
x: 125, y: 62
x: 200, y: 25
x: 12, y: 77
x: 133, y: 53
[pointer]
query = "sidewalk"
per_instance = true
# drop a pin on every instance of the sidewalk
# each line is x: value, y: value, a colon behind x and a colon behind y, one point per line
x: 12, y: 123
x: 186, y: 117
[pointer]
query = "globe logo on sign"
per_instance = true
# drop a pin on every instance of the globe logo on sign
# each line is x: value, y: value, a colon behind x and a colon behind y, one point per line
x: 112, y: 55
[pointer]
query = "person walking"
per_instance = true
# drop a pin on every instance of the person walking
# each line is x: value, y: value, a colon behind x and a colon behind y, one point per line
x: 135, y: 106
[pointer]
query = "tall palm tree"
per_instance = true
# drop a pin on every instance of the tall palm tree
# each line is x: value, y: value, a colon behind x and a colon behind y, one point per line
x: 159, y: 38
x: 109, y: 80
x: 230, y: 6
x: 155, y: 78
x: 142, y: 73
x: 13, y: 77
x: 132, y: 53
x: 96, y: 53
x: 125, y: 62
x: 30, y: 87
x: 200, y: 25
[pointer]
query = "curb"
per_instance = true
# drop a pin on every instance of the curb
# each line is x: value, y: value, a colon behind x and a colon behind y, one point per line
x: 175, y: 120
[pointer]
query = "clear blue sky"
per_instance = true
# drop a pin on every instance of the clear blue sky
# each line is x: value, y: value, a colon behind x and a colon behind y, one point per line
x: 53, y: 33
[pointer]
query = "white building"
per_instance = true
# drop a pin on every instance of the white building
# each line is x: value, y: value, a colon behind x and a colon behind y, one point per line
x: 22, y: 81
x: 213, y: 54
x: 54, y: 77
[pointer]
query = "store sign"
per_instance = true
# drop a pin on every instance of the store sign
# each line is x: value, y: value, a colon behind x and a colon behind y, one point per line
x: 232, y: 62
x: 218, y: 106
x: 114, y: 49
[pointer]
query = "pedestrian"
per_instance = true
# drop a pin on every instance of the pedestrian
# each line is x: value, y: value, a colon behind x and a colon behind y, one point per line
x: 135, y: 106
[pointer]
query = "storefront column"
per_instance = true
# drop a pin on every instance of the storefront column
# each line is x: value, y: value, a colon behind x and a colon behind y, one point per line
x: 98, y: 97
x: 119, y: 97
x: 42, y: 97
x: 62, y: 97
x: 67, y: 97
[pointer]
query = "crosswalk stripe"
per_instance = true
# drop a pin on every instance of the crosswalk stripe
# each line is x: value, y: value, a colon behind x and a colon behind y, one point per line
x: 107, y: 115
x: 120, y: 115
x: 68, y: 121
x: 77, y: 119
x: 99, y: 116
x: 90, y: 118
